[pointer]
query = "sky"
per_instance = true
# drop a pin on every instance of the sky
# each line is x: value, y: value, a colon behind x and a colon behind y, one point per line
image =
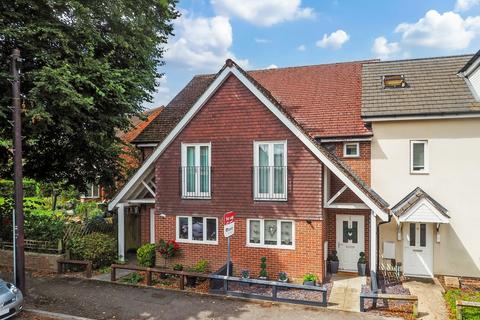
x: 260, y: 34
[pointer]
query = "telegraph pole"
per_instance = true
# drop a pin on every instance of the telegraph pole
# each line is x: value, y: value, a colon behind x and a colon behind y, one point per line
x: 17, y: 158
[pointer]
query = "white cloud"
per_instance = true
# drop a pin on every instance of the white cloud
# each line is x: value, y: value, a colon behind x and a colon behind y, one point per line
x: 464, y: 5
x: 261, y: 40
x: 263, y: 12
x: 447, y: 31
x: 335, y: 40
x: 272, y: 66
x: 301, y: 47
x: 201, y: 44
x: 162, y: 94
x: 384, y: 49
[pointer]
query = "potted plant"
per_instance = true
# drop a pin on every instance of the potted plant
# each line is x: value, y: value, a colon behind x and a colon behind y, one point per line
x: 168, y: 249
x: 263, y: 269
x: 362, y: 264
x: 245, y: 274
x: 283, y: 277
x: 309, y: 279
x: 333, y: 262
x: 200, y: 267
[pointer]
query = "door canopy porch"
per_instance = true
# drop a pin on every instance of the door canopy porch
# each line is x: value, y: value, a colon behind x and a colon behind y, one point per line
x: 419, y: 206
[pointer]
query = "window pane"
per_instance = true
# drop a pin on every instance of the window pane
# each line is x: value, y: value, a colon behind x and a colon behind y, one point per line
x: 211, y: 229
x: 412, y: 234
x: 197, y: 228
x: 204, y: 169
x: 423, y: 235
x: 351, y: 149
x: 287, y: 234
x: 183, y: 228
x: 270, y: 230
x: 350, y: 234
x: 263, y: 170
x: 190, y: 169
x: 418, y: 156
x: 254, y: 231
x: 278, y: 173
x: 96, y: 191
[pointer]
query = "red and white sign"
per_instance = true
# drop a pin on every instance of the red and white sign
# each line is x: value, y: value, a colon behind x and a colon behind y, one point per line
x: 229, y: 224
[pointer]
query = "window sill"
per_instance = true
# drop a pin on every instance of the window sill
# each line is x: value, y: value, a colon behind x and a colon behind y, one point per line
x: 196, y: 242
x: 419, y: 172
x: 196, y: 197
x: 347, y: 156
x: 266, y: 246
x: 269, y: 200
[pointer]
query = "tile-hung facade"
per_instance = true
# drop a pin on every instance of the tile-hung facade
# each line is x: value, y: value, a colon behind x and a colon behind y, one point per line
x: 298, y: 181
x: 298, y: 152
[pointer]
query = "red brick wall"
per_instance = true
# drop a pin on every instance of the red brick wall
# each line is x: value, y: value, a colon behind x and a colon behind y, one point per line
x: 306, y: 257
x: 232, y: 120
x: 145, y: 223
x: 361, y: 164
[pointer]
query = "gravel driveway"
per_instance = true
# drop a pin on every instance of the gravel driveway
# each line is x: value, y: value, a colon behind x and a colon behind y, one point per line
x: 103, y: 300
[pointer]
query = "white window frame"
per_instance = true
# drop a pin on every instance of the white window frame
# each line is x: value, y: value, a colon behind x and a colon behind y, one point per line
x: 195, y: 194
x: 256, y: 193
x: 426, y: 160
x: 279, y: 244
x: 190, y: 231
x: 91, y: 186
x: 356, y: 155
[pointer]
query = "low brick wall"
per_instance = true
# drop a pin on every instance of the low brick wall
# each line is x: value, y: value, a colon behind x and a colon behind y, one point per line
x: 33, y: 261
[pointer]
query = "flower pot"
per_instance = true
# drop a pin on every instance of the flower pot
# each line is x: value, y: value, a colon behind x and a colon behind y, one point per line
x: 334, y: 266
x: 309, y: 283
x: 361, y: 269
x: 283, y: 280
x: 262, y: 278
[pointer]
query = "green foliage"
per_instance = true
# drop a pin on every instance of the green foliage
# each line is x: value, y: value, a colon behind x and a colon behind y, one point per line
x: 30, y: 188
x: 178, y: 267
x: 132, y: 278
x: 333, y: 256
x: 282, y: 276
x: 146, y: 255
x: 200, y: 267
x: 96, y: 247
x: 168, y: 248
x: 263, y: 267
x: 88, y: 66
x: 105, y: 269
x: 362, y: 258
x: 463, y: 294
x: 309, y: 277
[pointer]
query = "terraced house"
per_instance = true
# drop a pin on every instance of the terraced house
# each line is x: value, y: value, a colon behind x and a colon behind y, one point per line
x: 295, y: 153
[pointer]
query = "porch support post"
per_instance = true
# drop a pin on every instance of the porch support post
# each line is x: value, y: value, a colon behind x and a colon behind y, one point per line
x: 373, y: 249
x: 121, y: 231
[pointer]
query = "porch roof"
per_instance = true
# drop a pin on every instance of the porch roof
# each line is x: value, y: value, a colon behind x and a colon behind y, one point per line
x: 419, y: 206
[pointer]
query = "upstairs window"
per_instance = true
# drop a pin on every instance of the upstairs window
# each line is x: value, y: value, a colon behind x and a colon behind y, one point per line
x: 93, y: 191
x: 270, y: 170
x: 196, y: 170
x: 351, y: 149
x: 394, y: 81
x: 418, y: 156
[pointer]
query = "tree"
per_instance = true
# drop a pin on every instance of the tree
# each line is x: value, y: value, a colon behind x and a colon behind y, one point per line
x: 89, y: 65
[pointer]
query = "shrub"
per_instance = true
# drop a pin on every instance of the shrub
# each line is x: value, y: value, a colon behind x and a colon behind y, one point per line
x: 309, y: 277
x: 178, y: 267
x: 263, y: 267
x: 132, y: 278
x: 96, y: 247
x: 146, y: 255
x: 200, y: 267
x: 362, y: 258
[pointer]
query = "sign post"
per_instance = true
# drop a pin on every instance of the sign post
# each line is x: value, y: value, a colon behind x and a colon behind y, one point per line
x: 228, y: 231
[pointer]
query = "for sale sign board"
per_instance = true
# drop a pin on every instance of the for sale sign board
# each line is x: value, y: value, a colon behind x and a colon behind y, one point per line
x: 229, y: 224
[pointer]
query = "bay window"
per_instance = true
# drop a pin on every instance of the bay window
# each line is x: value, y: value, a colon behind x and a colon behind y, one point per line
x: 270, y: 170
x: 270, y: 233
x: 196, y: 170
x: 197, y: 229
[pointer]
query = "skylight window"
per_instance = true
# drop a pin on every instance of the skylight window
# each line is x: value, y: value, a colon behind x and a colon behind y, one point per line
x: 394, y: 81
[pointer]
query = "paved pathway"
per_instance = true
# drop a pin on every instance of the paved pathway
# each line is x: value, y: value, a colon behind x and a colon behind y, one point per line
x: 345, y: 293
x: 431, y: 305
x: 103, y: 300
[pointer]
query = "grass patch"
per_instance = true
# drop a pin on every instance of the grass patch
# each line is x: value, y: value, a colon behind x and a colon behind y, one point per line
x: 467, y: 295
x: 132, y: 278
x: 105, y: 269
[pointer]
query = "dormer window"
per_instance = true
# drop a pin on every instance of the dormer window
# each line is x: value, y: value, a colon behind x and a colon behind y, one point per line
x: 394, y: 81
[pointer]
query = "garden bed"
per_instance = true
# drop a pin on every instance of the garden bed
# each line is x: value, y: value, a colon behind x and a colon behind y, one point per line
x: 465, y: 294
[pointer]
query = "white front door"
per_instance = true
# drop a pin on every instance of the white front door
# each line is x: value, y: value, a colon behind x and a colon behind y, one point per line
x: 418, y: 249
x: 350, y: 240
x: 152, y: 225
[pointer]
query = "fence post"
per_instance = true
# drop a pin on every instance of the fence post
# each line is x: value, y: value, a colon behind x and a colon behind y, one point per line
x: 149, y: 277
x: 88, y: 272
x: 274, y: 292
x: 415, y: 309
x: 362, y: 304
x: 324, y: 298
x: 112, y: 274
x: 459, y: 310
x: 182, y: 282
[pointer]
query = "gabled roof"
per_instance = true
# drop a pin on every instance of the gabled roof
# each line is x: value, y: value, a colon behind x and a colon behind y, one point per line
x: 139, y: 124
x: 404, y: 207
x: 371, y: 199
x: 434, y: 88
x: 324, y: 99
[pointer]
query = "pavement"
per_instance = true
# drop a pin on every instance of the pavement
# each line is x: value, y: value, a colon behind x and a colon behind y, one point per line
x: 431, y: 305
x: 345, y: 294
x: 103, y: 300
